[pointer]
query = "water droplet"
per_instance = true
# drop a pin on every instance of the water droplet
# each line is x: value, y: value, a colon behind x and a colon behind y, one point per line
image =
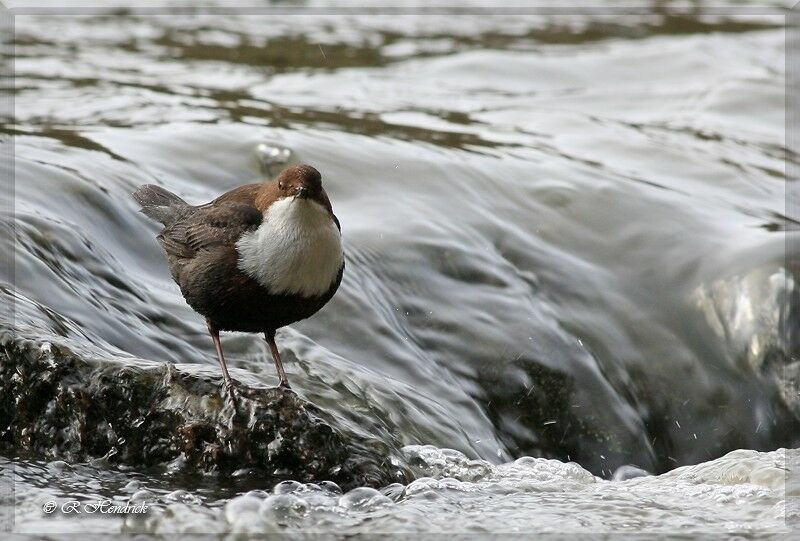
x: 283, y: 508
x: 364, y: 499
x: 394, y: 491
x: 132, y: 486
x: 142, y: 496
x: 623, y: 473
x: 330, y: 486
x: 287, y: 487
x: 241, y: 506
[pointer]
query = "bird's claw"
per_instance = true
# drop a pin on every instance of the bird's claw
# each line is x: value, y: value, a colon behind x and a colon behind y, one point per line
x: 229, y: 392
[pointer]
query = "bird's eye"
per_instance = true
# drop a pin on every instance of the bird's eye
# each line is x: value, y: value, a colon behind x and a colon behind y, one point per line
x: 280, y: 185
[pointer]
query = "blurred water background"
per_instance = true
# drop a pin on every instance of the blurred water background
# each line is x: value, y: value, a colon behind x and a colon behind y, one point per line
x: 566, y: 235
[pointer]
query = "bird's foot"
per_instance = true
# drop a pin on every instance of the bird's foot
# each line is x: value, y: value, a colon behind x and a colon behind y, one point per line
x: 230, y: 393
x: 284, y: 385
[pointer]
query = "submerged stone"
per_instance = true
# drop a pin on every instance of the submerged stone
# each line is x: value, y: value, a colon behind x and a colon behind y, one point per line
x: 58, y: 405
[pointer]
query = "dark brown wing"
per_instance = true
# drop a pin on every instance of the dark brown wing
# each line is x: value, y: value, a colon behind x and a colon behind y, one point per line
x: 209, y: 226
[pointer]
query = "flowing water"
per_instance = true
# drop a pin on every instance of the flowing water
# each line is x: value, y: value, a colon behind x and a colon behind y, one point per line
x: 566, y: 238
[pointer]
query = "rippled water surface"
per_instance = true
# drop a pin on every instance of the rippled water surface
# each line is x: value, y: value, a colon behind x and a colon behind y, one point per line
x: 566, y: 238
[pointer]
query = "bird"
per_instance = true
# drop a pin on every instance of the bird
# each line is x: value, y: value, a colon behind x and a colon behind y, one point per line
x: 257, y: 258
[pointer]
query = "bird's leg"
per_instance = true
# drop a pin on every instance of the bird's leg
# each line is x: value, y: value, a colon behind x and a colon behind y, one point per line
x: 270, y: 337
x: 221, y: 358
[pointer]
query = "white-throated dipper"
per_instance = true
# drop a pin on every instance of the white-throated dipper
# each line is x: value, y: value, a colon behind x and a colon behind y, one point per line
x: 256, y: 258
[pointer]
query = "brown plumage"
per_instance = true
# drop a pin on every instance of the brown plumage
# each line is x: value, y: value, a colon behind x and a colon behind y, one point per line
x: 256, y: 258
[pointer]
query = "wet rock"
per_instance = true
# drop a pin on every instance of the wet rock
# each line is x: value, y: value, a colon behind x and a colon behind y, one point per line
x: 56, y: 404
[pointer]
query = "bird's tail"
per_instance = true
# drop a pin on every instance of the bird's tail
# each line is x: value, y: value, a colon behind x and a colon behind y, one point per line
x: 160, y: 204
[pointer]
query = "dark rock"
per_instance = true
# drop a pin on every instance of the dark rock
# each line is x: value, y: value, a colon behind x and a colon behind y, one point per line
x: 56, y: 404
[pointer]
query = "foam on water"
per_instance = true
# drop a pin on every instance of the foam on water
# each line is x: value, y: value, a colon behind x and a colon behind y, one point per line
x: 566, y: 238
x: 743, y: 491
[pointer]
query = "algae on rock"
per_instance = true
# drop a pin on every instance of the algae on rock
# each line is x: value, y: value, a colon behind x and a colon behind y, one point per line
x: 55, y: 404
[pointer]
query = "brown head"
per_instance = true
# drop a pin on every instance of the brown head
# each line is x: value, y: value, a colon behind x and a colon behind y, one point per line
x: 297, y: 181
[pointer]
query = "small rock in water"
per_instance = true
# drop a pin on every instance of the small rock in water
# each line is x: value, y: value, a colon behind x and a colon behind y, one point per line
x: 272, y: 157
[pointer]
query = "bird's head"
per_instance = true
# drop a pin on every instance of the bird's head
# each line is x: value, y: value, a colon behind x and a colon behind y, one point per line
x: 296, y: 187
x: 301, y: 182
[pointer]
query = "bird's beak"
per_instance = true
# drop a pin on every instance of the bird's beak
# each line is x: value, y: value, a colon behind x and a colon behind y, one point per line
x: 302, y: 193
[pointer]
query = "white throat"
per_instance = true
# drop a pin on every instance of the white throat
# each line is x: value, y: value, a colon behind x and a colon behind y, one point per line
x: 297, y: 249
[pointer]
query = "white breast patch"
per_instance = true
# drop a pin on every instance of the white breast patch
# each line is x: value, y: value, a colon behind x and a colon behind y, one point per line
x: 297, y: 249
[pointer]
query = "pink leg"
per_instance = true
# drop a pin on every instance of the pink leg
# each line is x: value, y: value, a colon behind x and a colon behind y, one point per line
x: 221, y: 358
x: 270, y: 337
